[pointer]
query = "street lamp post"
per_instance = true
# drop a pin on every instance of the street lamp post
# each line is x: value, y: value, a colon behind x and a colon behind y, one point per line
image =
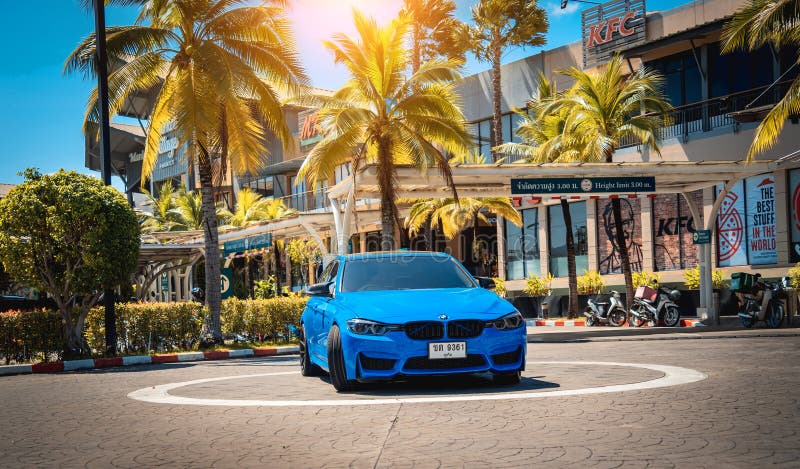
x: 105, y: 149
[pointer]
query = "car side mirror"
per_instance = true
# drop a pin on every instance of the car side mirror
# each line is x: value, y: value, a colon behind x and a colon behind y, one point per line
x: 486, y: 282
x: 319, y: 289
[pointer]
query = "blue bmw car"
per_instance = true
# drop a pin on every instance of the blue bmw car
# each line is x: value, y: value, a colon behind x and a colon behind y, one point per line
x: 380, y: 316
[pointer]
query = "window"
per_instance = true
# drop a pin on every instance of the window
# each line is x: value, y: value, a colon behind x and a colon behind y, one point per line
x: 682, y: 80
x: 746, y: 223
x: 739, y: 70
x: 403, y: 272
x: 558, y: 238
x: 522, y: 246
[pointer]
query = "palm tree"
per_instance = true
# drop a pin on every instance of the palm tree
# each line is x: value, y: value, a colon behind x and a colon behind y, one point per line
x: 163, y: 217
x: 608, y: 106
x: 547, y: 139
x: 757, y: 23
x: 218, y: 64
x: 435, y: 31
x: 381, y: 116
x: 251, y: 207
x: 499, y: 24
x: 189, y: 209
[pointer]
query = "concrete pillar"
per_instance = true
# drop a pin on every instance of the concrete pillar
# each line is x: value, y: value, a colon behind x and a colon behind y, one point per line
x: 544, y: 240
x: 591, y: 235
x: 782, y: 220
x: 708, y: 206
x: 501, y: 248
x: 648, y: 255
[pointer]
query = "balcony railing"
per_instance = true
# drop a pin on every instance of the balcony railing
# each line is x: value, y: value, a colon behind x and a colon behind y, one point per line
x: 308, y: 200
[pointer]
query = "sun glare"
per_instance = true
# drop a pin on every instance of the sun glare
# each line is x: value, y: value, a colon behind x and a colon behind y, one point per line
x: 316, y: 20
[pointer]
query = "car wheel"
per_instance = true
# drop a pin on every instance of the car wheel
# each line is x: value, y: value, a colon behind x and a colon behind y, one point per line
x: 336, y: 362
x: 671, y: 316
x: 507, y: 379
x: 306, y: 367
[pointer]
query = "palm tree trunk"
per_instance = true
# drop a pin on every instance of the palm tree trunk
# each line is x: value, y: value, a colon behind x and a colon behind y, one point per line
x: 623, y: 251
x: 247, y: 276
x: 497, y: 125
x: 386, y: 184
x: 571, y: 268
x: 428, y: 234
x: 211, y: 239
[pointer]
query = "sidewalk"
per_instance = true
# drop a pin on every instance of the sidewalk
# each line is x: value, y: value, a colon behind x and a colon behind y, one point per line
x: 730, y: 327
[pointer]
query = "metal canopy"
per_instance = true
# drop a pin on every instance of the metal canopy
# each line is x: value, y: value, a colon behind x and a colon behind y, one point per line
x: 495, y: 180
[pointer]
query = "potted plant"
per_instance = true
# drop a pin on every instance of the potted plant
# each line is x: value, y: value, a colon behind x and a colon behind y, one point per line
x: 536, y: 290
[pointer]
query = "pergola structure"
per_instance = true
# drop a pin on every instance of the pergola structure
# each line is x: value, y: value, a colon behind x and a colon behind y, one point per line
x: 494, y: 180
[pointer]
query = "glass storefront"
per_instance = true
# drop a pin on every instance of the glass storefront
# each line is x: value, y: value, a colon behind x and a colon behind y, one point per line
x: 522, y: 246
x: 558, y: 238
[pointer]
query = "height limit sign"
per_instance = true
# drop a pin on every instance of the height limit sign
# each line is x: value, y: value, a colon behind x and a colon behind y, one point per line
x: 599, y: 185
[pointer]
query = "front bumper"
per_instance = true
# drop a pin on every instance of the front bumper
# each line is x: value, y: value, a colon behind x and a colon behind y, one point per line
x: 395, y: 354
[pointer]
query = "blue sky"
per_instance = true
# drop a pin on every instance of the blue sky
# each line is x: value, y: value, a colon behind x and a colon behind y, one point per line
x: 42, y: 110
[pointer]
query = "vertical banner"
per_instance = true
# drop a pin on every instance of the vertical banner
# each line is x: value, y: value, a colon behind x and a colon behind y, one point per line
x: 608, y: 251
x: 226, y: 283
x: 794, y: 208
x: 731, y: 227
x: 761, y: 242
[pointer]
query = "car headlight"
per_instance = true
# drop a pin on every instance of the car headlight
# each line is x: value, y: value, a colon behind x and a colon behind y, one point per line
x: 509, y: 321
x: 367, y: 327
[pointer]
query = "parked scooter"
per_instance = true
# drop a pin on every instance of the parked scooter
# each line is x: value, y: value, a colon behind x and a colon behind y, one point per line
x: 762, y: 300
x: 651, y: 305
x: 605, y: 309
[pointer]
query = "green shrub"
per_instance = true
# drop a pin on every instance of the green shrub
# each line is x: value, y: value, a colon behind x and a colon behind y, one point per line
x: 538, y: 286
x: 794, y: 276
x: 591, y: 283
x: 29, y: 336
x: 499, y: 287
x: 262, y: 319
x: 263, y: 289
x: 646, y: 279
x: 692, y: 277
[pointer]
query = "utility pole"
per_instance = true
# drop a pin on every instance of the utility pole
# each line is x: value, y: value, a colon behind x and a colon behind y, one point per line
x: 105, y: 149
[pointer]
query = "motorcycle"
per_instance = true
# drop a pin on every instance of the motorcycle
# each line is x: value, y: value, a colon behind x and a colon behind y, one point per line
x: 605, y: 309
x: 763, y: 301
x: 651, y: 305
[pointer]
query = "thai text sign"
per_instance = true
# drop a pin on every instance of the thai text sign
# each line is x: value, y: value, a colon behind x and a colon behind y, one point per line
x: 245, y: 244
x: 612, y: 27
x: 600, y: 185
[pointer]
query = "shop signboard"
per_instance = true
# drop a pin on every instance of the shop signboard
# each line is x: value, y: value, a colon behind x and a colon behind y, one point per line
x: 612, y: 27
x: 245, y: 244
x: 701, y: 237
x: 597, y: 185
x: 761, y: 240
x: 226, y: 283
x: 309, y: 129
x: 165, y: 282
x: 794, y: 207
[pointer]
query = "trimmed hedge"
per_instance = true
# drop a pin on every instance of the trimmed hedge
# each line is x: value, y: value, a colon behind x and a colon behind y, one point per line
x: 29, y: 336
x: 149, y: 327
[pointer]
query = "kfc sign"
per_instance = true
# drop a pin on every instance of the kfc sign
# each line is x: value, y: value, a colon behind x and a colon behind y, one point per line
x: 309, y: 129
x: 603, y: 31
x: 612, y: 27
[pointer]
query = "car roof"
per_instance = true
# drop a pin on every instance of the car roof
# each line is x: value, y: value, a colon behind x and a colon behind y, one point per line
x: 398, y: 253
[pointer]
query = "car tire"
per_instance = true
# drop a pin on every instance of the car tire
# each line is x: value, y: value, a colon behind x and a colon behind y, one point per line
x: 336, y: 362
x: 507, y: 379
x: 307, y: 368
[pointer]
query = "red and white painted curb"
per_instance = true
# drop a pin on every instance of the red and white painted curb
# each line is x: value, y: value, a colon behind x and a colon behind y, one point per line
x: 96, y: 363
x: 582, y: 323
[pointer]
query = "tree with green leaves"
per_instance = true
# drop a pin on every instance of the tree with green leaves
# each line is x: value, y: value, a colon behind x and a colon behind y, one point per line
x: 608, y: 106
x: 435, y: 31
x: 498, y: 25
x: 189, y: 209
x: 757, y: 23
x: 162, y: 215
x: 382, y: 116
x: 72, y: 236
x: 221, y: 68
x: 548, y: 139
x: 251, y: 207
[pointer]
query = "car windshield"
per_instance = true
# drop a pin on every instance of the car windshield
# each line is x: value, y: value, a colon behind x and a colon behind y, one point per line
x: 401, y: 272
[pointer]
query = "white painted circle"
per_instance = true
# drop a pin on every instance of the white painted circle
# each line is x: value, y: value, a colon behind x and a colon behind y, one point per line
x: 673, y: 376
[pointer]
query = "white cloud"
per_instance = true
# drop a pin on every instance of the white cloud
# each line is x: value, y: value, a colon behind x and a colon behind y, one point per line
x: 555, y: 11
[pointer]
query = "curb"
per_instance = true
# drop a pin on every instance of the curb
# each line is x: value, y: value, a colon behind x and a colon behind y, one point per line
x: 544, y: 340
x: 99, y: 363
x: 582, y: 323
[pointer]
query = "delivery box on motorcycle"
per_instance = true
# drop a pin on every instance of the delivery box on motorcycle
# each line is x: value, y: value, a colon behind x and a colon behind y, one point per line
x: 646, y: 293
x: 742, y: 282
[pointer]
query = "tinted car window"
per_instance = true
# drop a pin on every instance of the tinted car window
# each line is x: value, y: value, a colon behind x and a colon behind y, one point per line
x: 403, y: 273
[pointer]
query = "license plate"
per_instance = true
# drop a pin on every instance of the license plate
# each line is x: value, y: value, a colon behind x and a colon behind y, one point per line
x: 438, y: 350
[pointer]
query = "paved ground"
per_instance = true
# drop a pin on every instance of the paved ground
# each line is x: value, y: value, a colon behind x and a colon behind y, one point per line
x: 745, y: 414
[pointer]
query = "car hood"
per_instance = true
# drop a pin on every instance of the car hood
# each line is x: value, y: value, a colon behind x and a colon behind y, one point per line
x: 399, y: 306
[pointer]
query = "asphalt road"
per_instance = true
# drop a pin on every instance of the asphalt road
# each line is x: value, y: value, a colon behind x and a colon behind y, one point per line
x: 745, y: 413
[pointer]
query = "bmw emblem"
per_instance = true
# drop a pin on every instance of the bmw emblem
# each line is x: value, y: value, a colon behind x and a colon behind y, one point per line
x: 443, y: 317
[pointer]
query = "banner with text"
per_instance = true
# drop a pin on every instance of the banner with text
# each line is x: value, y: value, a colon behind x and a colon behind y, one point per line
x: 598, y: 185
x: 761, y: 241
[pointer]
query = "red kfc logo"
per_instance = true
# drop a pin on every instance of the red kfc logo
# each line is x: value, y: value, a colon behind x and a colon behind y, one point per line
x: 603, y: 31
